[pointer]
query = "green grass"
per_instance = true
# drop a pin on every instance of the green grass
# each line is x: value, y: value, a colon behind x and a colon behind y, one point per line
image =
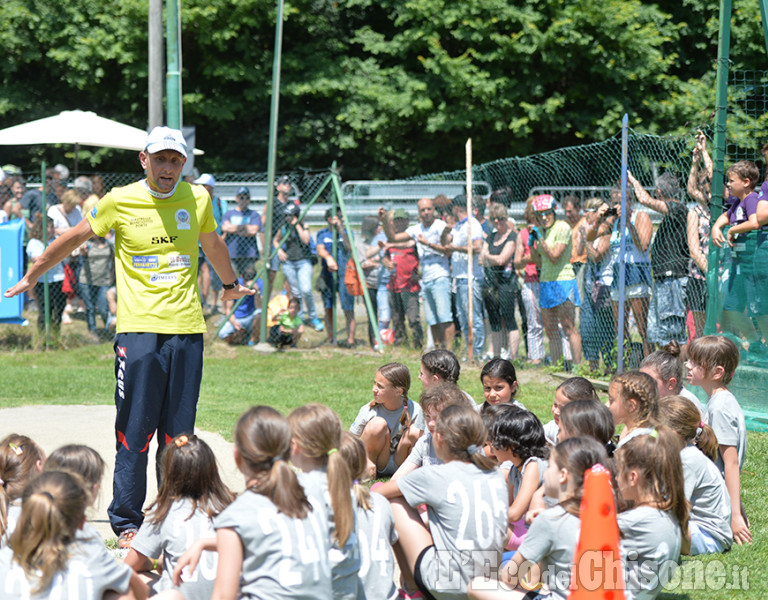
x: 235, y: 378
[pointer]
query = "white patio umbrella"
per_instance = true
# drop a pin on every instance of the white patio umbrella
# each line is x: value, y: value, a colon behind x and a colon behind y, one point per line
x: 76, y: 127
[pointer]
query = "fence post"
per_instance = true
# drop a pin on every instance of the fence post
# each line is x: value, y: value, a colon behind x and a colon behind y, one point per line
x: 716, y: 204
x: 271, y: 159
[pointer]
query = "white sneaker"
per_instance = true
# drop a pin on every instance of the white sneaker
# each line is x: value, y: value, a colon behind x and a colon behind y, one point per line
x: 504, y: 353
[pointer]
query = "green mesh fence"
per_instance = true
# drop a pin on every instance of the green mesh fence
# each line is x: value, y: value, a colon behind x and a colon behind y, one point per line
x: 669, y: 256
x: 660, y: 303
x: 740, y: 269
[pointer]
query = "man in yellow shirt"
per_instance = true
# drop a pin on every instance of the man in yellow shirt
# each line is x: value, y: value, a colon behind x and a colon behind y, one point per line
x: 159, y: 345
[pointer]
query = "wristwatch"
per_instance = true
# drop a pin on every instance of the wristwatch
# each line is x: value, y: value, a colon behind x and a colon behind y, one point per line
x: 229, y: 286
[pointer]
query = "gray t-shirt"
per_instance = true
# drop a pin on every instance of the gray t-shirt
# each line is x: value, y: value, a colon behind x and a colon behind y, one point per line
x: 376, y: 534
x: 282, y: 557
x: 423, y: 452
x: 392, y: 417
x: 515, y: 477
x: 88, y: 575
x: 725, y: 417
x: 551, y: 541
x: 551, y: 430
x: 706, y: 491
x: 344, y: 562
x: 171, y: 538
x: 650, y: 548
x: 467, y: 510
x: 685, y: 393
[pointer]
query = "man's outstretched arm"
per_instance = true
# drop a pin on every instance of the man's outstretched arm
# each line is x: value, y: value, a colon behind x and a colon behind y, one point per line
x: 61, y: 247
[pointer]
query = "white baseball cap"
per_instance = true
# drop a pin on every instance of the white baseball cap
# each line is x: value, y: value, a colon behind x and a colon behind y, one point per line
x: 165, y: 138
x: 205, y: 179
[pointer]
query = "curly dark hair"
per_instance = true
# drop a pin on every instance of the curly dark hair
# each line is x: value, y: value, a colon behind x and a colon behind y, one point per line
x: 520, y: 432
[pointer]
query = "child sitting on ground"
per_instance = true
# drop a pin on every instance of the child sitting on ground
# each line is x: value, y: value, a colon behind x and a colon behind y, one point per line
x: 712, y: 361
x: 499, y: 380
x: 390, y: 424
x: 633, y: 400
x: 518, y: 444
x: 285, y: 324
x: 433, y: 400
x: 573, y: 388
x: 191, y: 494
x: 21, y: 460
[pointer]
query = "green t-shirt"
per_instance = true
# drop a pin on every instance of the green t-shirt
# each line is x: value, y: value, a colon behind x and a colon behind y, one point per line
x: 559, y: 233
x: 288, y: 322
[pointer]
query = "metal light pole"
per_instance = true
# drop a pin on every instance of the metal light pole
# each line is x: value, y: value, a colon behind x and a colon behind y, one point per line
x: 173, y: 72
x: 271, y: 160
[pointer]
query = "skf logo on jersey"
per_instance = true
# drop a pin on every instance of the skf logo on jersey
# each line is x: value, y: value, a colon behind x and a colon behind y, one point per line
x: 164, y: 239
x: 182, y: 219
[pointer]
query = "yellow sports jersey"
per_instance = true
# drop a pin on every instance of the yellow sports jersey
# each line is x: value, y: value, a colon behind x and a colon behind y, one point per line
x: 156, y: 249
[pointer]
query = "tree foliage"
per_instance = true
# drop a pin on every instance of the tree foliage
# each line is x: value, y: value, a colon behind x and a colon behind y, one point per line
x: 388, y: 88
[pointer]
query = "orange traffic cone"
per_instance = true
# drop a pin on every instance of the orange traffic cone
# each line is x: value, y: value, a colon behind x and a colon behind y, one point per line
x: 597, y: 569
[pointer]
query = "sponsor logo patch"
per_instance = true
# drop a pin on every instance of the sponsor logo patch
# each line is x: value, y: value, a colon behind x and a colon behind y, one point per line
x: 163, y: 278
x: 140, y: 221
x: 93, y: 212
x: 182, y: 219
x: 145, y: 262
x: 181, y: 260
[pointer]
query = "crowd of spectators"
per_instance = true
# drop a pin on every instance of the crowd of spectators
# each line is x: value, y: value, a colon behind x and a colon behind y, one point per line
x: 81, y: 283
x: 558, y: 272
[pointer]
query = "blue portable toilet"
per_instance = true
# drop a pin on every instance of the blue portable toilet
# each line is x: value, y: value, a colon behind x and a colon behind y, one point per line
x: 11, y: 270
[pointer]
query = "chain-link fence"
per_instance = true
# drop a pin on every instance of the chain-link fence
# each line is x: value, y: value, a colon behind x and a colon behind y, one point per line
x: 665, y: 247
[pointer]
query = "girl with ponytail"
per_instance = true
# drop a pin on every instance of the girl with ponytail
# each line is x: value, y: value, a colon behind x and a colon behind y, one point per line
x: 710, y: 522
x: 466, y: 500
x: 271, y: 543
x: 46, y: 560
x: 375, y: 526
x: 654, y: 520
x: 191, y: 494
x: 391, y: 423
x: 327, y: 480
x: 21, y: 459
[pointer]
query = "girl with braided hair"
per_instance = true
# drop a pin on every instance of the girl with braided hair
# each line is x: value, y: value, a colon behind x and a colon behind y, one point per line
x: 633, y: 399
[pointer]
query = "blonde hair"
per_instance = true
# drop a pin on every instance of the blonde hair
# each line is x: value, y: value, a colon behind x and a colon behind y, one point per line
x: 317, y: 431
x: 52, y: 510
x: 641, y: 388
x: 593, y: 203
x: 353, y: 451
x: 19, y: 456
x: 70, y: 198
x: 263, y: 442
x: 463, y: 433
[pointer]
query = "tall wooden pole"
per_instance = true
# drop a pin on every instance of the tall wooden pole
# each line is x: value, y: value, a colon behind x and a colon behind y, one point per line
x: 470, y: 282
